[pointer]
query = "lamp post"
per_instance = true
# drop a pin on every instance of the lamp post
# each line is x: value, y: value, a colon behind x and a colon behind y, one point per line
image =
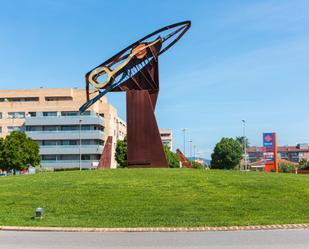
x: 184, y: 140
x: 80, y: 141
x: 190, y: 141
x: 244, y: 144
x: 194, y: 147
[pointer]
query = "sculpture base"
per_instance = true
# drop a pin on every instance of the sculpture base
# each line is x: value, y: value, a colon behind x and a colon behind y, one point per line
x: 145, y: 148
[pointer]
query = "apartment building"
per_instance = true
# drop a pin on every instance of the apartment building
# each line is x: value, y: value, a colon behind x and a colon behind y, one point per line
x: 167, y: 137
x: 50, y: 116
x: 290, y: 153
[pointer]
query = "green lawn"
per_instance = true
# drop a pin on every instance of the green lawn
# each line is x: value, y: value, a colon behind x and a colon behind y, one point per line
x: 154, y: 197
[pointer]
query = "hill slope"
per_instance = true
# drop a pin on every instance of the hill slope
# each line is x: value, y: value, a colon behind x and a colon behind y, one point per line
x: 154, y: 197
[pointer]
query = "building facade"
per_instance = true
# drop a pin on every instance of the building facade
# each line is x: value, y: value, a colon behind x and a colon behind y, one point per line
x: 290, y: 153
x: 167, y: 137
x: 50, y: 117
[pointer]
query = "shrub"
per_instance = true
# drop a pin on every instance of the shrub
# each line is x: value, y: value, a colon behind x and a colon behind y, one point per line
x: 197, y: 165
x: 171, y: 157
x: 287, y: 167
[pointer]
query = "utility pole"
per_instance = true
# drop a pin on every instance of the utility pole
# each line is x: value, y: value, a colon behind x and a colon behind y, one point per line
x: 184, y: 140
x: 244, y: 144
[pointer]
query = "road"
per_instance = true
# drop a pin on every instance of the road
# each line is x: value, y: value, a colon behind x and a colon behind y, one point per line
x: 278, y: 239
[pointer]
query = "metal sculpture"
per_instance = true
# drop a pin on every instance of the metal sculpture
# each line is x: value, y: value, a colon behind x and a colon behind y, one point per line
x: 135, y: 71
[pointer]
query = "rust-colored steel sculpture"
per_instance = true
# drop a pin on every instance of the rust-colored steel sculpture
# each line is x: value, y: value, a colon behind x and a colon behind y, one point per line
x: 135, y: 71
x: 184, y: 161
x: 106, y: 157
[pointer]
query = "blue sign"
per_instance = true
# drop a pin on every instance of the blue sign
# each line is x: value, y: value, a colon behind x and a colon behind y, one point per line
x: 268, y: 139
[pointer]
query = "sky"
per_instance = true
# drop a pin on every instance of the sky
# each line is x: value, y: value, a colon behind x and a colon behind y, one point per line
x: 240, y: 60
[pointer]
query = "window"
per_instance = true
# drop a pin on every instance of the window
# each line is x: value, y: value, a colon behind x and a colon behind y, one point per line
x: 16, y: 115
x: 59, y: 98
x: 14, y: 128
x: 34, y: 128
x: 49, y: 114
x: 0, y: 129
x: 85, y: 157
x: 0, y: 115
x: 70, y: 113
x: 50, y: 128
x: 87, y: 127
x: 70, y: 142
x: 69, y: 157
x: 50, y: 142
x: 21, y: 99
x: 70, y: 128
x: 32, y: 114
x: 165, y: 134
x: 49, y: 157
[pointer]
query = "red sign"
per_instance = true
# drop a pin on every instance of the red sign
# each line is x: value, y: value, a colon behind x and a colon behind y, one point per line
x: 270, y: 152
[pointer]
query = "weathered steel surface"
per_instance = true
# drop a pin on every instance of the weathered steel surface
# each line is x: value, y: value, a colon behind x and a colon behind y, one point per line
x: 106, y: 157
x: 134, y: 70
x: 184, y: 161
x: 145, y: 147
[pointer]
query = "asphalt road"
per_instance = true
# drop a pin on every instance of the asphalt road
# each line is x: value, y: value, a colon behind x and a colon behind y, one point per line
x: 278, y: 239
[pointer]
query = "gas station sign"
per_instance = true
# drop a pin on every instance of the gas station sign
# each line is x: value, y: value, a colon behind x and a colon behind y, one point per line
x: 270, y: 152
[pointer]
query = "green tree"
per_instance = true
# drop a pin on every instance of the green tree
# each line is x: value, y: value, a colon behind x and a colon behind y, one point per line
x: 19, y: 152
x: 197, y: 165
x: 171, y: 157
x: 1, y: 152
x: 304, y: 164
x: 121, y: 153
x: 227, y: 154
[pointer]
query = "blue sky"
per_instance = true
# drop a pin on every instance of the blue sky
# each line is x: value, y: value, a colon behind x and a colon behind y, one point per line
x: 240, y: 60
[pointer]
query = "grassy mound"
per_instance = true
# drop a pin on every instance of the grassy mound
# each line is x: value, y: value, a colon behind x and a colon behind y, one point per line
x: 154, y: 197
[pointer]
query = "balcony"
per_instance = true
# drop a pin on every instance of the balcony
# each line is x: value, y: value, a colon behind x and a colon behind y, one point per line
x: 66, y: 135
x: 64, y: 120
x: 58, y: 164
x: 70, y: 149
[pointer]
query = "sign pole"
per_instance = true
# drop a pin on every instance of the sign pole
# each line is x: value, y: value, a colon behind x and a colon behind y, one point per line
x: 276, y: 153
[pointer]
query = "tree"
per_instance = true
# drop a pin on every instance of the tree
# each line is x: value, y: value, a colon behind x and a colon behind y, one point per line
x: 121, y: 153
x: 19, y: 152
x: 227, y: 154
x: 241, y: 141
x: 171, y: 157
x: 304, y: 164
x: 1, y: 153
x: 197, y: 165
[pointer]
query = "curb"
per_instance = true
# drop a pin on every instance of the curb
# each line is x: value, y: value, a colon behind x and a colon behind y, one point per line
x: 155, y: 229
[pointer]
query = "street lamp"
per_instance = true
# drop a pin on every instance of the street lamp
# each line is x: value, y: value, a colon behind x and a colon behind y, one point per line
x: 80, y: 141
x: 244, y: 144
x: 184, y: 140
x: 194, y: 147
x: 190, y: 141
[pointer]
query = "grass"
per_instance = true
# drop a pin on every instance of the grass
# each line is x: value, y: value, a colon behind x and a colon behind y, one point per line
x: 154, y: 197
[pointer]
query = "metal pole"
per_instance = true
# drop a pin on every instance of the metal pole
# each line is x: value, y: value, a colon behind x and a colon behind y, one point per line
x: 190, y: 141
x: 80, y: 142
x: 184, y: 140
x: 194, y: 147
x: 244, y: 144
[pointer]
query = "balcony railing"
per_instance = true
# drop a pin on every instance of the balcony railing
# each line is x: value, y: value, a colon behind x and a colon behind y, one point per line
x: 64, y: 131
x: 68, y: 161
